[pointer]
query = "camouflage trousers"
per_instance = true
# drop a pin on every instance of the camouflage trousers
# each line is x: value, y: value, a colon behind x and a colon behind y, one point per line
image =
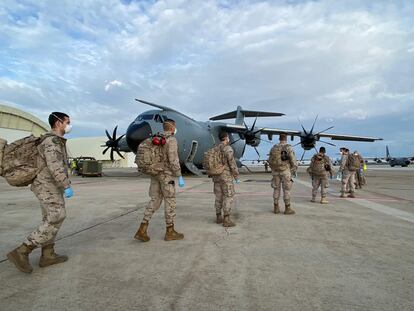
x: 162, y: 188
x: 224, y: 192
x: 348, y: 180
x: 53, y: 212
x: 319, y: 181
x: 282, y: 180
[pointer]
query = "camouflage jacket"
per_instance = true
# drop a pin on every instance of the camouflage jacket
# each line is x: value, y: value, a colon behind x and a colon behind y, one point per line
x: 172, y: 167
x: 53, y: 161
x: 326, y: 161
x: 344, y: 163
x: 230, y: 166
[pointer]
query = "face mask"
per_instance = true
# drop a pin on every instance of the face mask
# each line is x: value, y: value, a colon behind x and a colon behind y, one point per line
x: 175, y: 131
x: 68, y: 128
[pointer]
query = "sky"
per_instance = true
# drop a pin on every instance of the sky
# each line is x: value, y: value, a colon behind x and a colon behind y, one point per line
x: 350, y: 62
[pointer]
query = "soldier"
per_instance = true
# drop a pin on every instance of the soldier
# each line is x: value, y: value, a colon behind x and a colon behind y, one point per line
x: 283, y: 163
x: 223, y: 183
x: 360, y: 176
x: 162, y: 187
x: 50, y: 186
x: 348, y: 175
x: 318, y: 169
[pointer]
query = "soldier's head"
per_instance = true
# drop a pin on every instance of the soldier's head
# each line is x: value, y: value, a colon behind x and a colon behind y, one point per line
x: 322, y: 150
x: 224, y: 137
x: 344, y: 150
x: 60, y: 123
x: 169, y: 126
x: 283, y: 137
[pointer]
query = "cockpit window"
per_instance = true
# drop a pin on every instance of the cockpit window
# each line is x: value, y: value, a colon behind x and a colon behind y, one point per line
x: 158, y: 118
x: 145, y: 117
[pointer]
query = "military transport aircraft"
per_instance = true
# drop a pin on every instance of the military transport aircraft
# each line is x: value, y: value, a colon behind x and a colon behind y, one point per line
x: 403, y: 161
x: 196, y: 137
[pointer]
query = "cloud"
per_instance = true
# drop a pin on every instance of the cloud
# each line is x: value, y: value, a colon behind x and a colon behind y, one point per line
x: 347, y: 61
x: 114, y: 83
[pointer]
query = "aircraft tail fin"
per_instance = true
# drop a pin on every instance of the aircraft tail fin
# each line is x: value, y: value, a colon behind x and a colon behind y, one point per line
x: 387, y: 152
x: 240, y: 114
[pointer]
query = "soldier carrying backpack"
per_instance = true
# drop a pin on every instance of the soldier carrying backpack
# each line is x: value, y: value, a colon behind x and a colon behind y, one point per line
x: 319, y: 168
x: 348, y: 169
x: 43, y: 163
x: 220, y: 164
x: 282, y: 161
x: 157, y: 156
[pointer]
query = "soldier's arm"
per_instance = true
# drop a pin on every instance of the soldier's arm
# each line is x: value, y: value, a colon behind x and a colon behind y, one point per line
x: 229, y: 156
x: 343, y: 163
x: 54, y: 160
x: 331, y: 170
x: 292, y: 159
x: 172, y: 154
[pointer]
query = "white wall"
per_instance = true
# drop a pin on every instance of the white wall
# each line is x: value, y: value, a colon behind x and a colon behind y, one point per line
x: 12, y: 135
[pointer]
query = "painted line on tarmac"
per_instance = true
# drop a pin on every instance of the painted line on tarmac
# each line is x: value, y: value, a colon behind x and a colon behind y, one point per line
x: 375, y: 206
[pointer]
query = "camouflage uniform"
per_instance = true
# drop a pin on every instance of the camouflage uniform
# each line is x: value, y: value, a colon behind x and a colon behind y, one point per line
x: 320, y: 179
x: 163, y: 185
x: 360, y: 179
x: 48, y: 186
x: 282, y: 177
x: 223, y: 183
x: 348, y: 177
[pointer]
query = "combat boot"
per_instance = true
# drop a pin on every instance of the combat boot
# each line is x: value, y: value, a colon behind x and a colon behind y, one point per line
x: 324, y: 201
x: 219, y: 219
x: 172, y: 235
x: 142, y: 233
x: 276, y: 209
x: 351, y: 195
x: 20, y: 257
x: 288, y: 210
x: 313, y: 200
x: 227, y: 222
x: 342, y: 195
x: 49, y: 257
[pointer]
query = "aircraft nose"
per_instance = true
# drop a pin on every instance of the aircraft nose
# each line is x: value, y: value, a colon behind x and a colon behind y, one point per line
x: 137, y: 133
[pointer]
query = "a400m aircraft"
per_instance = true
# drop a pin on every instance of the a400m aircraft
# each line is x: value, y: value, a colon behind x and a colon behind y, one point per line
x: 196, y: 137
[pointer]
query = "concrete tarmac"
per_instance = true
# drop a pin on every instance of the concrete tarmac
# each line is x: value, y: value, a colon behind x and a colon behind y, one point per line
x: 352, y: 254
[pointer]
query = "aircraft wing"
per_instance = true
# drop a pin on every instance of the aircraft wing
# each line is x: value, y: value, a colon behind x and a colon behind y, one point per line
x: 232, y: 128
x: 349, y: 137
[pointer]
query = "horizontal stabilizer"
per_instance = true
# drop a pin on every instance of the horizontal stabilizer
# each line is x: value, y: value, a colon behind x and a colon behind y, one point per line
x: 246, y: 113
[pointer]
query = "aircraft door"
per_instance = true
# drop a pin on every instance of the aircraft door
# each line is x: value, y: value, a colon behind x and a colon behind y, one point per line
x: 193, y: 151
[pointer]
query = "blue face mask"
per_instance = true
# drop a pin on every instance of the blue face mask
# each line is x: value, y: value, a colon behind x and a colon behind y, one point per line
x: 175, y: 131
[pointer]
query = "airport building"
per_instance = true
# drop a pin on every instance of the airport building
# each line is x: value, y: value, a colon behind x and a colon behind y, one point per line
x: 16, y: 124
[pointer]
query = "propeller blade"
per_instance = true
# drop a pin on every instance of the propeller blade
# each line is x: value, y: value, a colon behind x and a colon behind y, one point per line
x: 314, y: 122
x: 303, y: 128
x: 106, y: 150
x: 119, y: 154
x: 245, y: 125
x: 303, y: 154
x: 254, y: 133
x: 112, y: 155
x: 257, y: 151
x: 254, y: 123
x: 325, y: 142
x: 114, y: 133
x: 119, y: 138
x: 244, y: 149
x: 233, y: 142
x: 107, y: 134
x: 329, y: 128
x: 296, y: 144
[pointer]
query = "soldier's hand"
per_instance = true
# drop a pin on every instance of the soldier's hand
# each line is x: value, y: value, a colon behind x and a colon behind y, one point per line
x: 68, y: 192
x: 181, y: 182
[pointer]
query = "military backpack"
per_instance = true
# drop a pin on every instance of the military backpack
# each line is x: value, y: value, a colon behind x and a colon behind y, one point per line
x: 353, y: 162
x: 151, y: 156
x: 319, y: 165
x: 213, y: 161
x: 18, y: 160
x: 279, y: 158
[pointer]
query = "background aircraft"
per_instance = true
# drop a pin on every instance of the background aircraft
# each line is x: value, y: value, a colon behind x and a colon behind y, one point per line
x: 196, y: 137
x: 403, y: 161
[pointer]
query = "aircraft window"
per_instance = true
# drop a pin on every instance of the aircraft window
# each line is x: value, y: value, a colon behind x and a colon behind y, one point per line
x: 158, y: 118
x: 145, y: 117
